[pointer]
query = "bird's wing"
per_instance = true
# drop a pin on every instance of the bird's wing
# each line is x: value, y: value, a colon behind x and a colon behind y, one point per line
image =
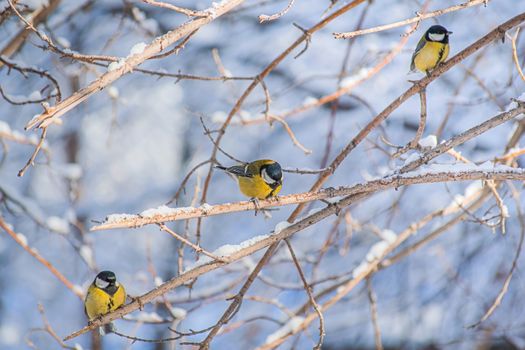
x: 239, y: 170
x: 419, y: 46
x: 85, y: 300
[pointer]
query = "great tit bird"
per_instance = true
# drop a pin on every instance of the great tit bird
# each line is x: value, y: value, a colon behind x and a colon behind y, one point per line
x: 259, y: 179
x: 431, y: 50
x: 104, y: 295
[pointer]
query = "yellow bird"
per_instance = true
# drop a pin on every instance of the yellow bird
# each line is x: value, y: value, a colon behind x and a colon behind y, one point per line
x: 432, y: 49
x: 104, y: 295
x: 259, y: 179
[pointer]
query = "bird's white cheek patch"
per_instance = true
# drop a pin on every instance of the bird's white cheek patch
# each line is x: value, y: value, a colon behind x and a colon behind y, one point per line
x: 101, y: 283
x: 266, y: 178
x: 436, y: 37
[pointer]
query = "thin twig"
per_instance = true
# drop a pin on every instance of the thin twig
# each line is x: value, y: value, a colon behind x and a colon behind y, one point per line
x: 266, y: 18
x: 373, y: 313
x: 20, y: 240
x: 31, y: 160
x: 416, y: 19
x: 513, y: 40
x: 184, y: 11
x: 506, y: 283
x: 308, y: 290
x: 395, y: 181
x: 189, y: 243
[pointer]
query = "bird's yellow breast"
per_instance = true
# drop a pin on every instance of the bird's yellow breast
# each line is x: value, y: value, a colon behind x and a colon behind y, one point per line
x: 431, y: 55
x: 98, y: 302
x: 255, y: 187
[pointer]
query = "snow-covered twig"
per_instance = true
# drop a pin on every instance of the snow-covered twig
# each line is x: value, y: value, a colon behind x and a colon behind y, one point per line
x: 128, y: 64
x: 416, y: 19
x: 272, y: 240
x: 464, y: 137
x: 418, y: 86
x: 432, y: 175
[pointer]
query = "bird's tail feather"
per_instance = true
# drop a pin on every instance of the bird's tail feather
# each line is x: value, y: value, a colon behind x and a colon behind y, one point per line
x: 106, y: 329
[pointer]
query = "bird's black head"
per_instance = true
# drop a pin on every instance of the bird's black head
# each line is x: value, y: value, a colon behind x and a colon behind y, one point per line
x: 105, y: 279
x: 437, y: 33
x: 272, y: 173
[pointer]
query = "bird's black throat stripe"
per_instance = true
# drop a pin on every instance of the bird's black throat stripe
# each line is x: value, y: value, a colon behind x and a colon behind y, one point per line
x: 440, y: 55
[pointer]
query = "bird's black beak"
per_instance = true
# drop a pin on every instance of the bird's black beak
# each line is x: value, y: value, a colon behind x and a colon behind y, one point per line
x: 450, y: 32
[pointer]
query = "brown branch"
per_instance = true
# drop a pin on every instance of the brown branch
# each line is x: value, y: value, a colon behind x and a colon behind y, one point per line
x: 416, y: 19
x: 127, y: 66
x: 373, y: 313
x: 41, y: 73
x: 414, y: 144
x: 267, y: 18
x: 31, y: 160
x: 464, y: 137
x: 422, y: 120
x: 41, y: 259
x: 506, y: 283
x: 235, y: 305
x: 37, y: 17
x: 361, y: 76
x: 395, y: 181
x: 184, y: 11
x: 291, y: 134
x: 189, y: 243
x: 498, y: 32
x: 513, y: 40
x: 273, y: 240
x: 186, y: 213
x: 311, y: 298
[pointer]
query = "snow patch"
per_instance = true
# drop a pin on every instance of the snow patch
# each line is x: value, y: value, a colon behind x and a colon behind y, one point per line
x: 22, y: 238
x: 113, y: 92
x: 354, y: 79
x: 291, y: 326
x: 86, y: 253
x: 116, y: 218
x: 59, y: 225
x: 137, y: 49
x: 225, y: 251
x: 144, y: 316
x: 388, y: 235
x: 281, y: 226
x: 377, y: 250
x: 158, y: 281
x: 360, y: 269
x: 429, y: 141
x: 116, y: 65
x: 178, y: 313
x: 162, y: 210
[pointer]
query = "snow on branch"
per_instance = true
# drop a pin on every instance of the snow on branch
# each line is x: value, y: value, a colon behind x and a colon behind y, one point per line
x: 428, y: 174
x: 235, y: 253
x: 128, y: 64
